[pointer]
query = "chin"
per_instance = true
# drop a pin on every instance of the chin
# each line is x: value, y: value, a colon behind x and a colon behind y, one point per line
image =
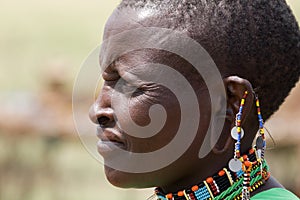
x: 117, y: 178
x: 127, y: 180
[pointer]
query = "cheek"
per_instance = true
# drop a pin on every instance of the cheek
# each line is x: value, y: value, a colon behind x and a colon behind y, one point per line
x: 139, y: 113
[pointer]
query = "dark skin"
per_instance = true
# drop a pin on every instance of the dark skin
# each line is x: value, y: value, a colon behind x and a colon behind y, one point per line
x: 188, y: 169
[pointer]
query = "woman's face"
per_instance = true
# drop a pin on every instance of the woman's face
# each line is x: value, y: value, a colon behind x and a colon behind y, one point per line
x: 125, y: 88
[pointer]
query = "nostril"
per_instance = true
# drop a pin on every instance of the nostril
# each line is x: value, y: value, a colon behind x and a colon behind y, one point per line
x: 102, y: 116
x: 103, y: 121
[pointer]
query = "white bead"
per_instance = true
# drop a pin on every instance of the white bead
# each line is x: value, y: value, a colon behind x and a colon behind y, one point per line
x: 234, y: 133
x: 235, y: 165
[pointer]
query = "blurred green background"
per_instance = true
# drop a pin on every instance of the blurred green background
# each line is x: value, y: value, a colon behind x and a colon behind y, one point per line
x: 43, y: 44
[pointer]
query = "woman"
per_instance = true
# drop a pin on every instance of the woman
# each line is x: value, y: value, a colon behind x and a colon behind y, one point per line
x: 256, y: 48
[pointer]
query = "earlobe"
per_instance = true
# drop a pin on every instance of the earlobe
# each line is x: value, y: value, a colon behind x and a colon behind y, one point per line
x: 235, y: 89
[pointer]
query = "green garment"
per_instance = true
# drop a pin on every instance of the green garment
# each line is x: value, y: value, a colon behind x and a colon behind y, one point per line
x: 275, y: 194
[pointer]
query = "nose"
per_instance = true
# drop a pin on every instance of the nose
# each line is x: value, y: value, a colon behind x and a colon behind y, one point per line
x: 101, y: 112
x: 102, y: 116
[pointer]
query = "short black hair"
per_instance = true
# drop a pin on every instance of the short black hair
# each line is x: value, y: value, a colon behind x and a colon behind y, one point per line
x: 258, y: 40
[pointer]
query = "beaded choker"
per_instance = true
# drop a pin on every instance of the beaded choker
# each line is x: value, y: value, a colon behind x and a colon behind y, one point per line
x: 225, y: 184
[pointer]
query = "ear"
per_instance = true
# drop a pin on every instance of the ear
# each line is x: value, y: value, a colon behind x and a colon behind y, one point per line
x: 235, y: 89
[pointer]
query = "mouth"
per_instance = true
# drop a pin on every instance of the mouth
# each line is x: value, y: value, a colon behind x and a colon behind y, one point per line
x: 110, y: 140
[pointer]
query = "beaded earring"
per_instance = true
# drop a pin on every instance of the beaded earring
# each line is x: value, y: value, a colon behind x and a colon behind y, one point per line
x: 237, y: 164
x: 243, y: 164
x: 237, y: 133
x: 260, y: 145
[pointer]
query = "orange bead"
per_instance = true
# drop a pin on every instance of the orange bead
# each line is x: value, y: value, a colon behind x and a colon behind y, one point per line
x: 209, y: 180
x: 221, y: 173
x: 180, y: 193
x: 169, y: 196
x: 195, y: 188
x: 248, y: 164
x: 245, y: 157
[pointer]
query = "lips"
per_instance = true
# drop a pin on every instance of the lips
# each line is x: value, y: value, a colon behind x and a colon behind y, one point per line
x: 110, y: 140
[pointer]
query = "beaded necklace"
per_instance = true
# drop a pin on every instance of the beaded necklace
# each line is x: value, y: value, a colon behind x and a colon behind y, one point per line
x: 225, y: 184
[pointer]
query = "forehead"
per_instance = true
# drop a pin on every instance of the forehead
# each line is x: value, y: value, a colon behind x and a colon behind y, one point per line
x: 120, y: 36
x: 127, y: 18
x: 119, y: 23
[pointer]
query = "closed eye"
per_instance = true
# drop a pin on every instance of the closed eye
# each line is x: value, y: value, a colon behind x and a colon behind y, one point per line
x: 127, y: 88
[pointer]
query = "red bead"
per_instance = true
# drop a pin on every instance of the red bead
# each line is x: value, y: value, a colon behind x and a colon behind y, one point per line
x: 192, y: 196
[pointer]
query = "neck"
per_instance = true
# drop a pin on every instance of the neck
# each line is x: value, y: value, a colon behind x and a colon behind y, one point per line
x: 194, y: 176
x: 223, y: 183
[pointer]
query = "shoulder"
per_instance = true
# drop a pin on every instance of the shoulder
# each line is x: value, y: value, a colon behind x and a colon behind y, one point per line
x: 275, y: 194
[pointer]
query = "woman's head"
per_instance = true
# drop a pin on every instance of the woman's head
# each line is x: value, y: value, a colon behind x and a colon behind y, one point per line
x: 255, y: 45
